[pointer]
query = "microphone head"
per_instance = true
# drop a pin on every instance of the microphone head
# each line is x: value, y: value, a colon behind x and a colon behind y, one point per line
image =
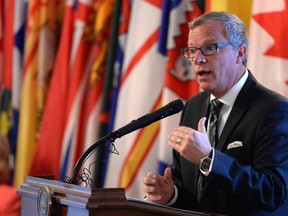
x: 176, y: 106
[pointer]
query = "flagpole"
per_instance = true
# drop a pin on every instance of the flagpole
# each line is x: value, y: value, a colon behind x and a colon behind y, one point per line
x: 101, y: 152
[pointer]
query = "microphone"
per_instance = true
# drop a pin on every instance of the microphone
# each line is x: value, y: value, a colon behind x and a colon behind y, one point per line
x: 169, y: 109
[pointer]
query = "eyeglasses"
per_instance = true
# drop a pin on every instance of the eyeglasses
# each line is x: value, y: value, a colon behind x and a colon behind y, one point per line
x: 206, y: 50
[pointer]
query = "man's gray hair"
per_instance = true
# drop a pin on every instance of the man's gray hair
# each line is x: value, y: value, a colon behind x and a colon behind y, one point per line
x: 235, y: 29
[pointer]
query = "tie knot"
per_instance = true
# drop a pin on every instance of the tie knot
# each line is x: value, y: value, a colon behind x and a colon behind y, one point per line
x: 216, y: 105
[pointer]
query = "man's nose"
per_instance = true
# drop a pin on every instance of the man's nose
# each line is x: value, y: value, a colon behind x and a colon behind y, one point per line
x: 199, y: 57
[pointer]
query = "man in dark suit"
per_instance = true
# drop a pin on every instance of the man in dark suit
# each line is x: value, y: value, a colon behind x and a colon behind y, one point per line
x: 243, y: 169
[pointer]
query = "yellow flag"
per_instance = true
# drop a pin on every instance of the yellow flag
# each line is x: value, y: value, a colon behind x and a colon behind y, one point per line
x: 40, y: 48
x: 241, y: 8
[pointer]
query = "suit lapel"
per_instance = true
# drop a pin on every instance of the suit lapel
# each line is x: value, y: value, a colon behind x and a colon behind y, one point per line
x: 239, y: 108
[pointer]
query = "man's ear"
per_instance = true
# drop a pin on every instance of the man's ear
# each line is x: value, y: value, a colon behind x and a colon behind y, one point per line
x: 241, y: 53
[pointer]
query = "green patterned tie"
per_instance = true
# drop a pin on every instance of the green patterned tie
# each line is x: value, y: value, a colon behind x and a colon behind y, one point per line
x: 213, y: 128
x: 213, y: 136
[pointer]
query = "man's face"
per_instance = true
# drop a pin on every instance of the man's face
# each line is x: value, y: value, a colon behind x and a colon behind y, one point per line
x: 216, y: 73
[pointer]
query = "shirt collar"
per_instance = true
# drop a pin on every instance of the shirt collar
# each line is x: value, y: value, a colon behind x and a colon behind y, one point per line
x: 230, y: 97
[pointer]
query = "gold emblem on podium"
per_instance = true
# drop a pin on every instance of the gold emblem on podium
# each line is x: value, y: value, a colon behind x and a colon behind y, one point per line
x: 44, y: 201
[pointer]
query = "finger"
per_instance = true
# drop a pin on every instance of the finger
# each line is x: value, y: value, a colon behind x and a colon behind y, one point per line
x: 150, y: 178
x: 151, y: 175
x: 201, y: 125
x: 148, y: 189
x: 149, y: 181
x: 153, y: 197
x: 173, y: 137
x: 172, y: 143
x: 168, y: 175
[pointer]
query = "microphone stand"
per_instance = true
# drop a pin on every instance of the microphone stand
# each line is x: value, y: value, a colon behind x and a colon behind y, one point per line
x: 110, y: 137
x: 170, y: 109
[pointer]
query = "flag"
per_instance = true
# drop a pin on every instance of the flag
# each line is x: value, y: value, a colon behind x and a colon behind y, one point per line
x: 268, y: 49
x: 89, y: 122
x: 6, y: 51
x: 14, y: 18
x: 73, y: 103
x: 2, y: 10
x: 1, y: 38
x: 6, y: 69
x: 57, y: 110
x: 100, y: 82
x: 38, y: 63
x: 139, y: 93
x: 241, y: 8
x: 109, y: 79
x: 121, y: 38
x: 19, y: 25
x: 179, y: 80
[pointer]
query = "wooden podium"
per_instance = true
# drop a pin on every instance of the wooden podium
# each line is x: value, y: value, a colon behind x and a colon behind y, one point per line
x: 46, y: 197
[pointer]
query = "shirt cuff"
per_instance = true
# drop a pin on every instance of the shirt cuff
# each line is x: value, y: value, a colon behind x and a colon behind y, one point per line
x: 175, y: 196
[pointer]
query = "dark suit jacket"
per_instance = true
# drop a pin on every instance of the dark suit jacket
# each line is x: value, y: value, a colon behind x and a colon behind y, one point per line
x: 248, y: 180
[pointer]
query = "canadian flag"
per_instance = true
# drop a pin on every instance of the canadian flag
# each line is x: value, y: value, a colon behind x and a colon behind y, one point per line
x: 268, y: 49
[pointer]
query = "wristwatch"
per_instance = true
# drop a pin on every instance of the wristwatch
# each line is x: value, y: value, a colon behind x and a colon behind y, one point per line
x: 205, y: 164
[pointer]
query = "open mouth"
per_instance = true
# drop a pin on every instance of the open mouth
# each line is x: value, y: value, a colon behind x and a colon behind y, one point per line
x: 203, y: 73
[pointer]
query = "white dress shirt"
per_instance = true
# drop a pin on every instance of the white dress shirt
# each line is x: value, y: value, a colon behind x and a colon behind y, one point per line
x: 228, y: 101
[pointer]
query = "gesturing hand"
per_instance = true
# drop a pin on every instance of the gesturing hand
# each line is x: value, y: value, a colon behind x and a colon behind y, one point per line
x: 159, y: 189
x: 191, y: 144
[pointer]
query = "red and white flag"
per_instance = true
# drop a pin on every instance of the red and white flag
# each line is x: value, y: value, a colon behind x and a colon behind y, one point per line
x: 140, y: 93
x: 268, y: 49
x: 64, y: 97
x: 70, y: 115
x: 12, y: 53
x: 179, y: 80
x: 39, y: 52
